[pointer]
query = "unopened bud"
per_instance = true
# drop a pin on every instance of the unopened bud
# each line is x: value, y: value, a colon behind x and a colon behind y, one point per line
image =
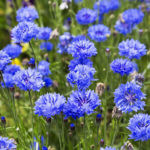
x: 72, y: 126
x: 3, y: 120
x: 48, y: 120
x: 92, y: 146
x: 102, y: 142
x: 98, y: 118
x: 65, y: 119
x: 127, y: 146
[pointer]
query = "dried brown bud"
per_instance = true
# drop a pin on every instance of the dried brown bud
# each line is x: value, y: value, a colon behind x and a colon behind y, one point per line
x: 116, y: 113
x: 100, y: 88
x: 92, y: 146
x: 54, y: 34
x: 17, y: 95
x: 25, y: 61
x: 55, y: 84
x: 127, y: 146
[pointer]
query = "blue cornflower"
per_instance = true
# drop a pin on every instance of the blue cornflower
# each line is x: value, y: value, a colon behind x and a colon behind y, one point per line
x: 132, y: 16
x: 64, y: 41
x: 123, y: 28
x: 132, y: 49
x: 78, y: 1
x: 82, y: 48
x: 46, y: 46
x: 28, y: 79
x: 7, y: 144
x: 81, y: 76
x: 129, y: 19
x: 8, y: 79
x: 31, y: 61
x: 102, y: 6
x: 48, y: 81
x: 49, y: 105
x: 79, y: 61
x: 122, y: 66
x: 11, y: 69
x: 80, y: 103
x: 13, y: 50
x: 108, y: 148
x: 24, y: 32
x: 99, y: 33
x: 4, y: 60
x: 128, y: 97
x: 139, y: 125
x: 86, y: 16
x: 26, y: 14
x: 114, y: 5
x: 44, y: 33
x: 43, y: 68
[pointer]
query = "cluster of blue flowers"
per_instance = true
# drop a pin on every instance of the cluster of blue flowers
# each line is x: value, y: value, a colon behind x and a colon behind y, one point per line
x: 64, y: 41
x: 128, y: 21
x: 7, y: 144
x: 104, y: 6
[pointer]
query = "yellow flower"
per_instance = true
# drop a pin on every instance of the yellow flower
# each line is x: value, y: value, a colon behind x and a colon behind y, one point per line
x: 16, y: 61
x: 25, y: 47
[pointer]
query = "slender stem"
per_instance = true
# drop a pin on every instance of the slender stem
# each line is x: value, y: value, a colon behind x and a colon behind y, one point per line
x: 85, y: 131
x: 63, y: 141
x: 33, y: 53
x: 31, y: 105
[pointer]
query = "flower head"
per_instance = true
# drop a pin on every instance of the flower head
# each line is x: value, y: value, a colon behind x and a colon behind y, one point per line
x: 78, y: 1
x: 81, y: 76
x: 44, y: 33
x: 49, y: 105
x: 108, y: 148
x: 43, y: 68
x: 139, y: 125
x: 12, y: 50
x: 8, y: 79
x: 123, y: 28
x: 128, y: 97
x: 99, y: 33
x: 79, y: 61
x: 48, y: 81
x: 122, y: 66
x: 86, y: 16
x: 6, y: 143
x: 28, y: 79
x: 64, y: 41
x: 24, y: 32
x: 80, y: 103
x: 4, y: 60
x: 132, y: 49
x: 27, y: 14
x: 133, y: 16
x: 46, y: 46
x: 82, y: 48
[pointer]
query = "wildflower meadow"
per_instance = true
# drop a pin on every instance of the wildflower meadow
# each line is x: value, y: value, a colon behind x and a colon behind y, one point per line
x: 74, y: 74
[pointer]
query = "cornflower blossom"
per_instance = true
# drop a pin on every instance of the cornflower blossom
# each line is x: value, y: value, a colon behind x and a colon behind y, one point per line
x: 13, y: 50
x: 29, y: 79
x: 86, y: 16
x: 132, y: 49
x: 4, y: 60
x: 49, y: 105
x: 81, y: 103
x: 27, y: 14
x: 24, y: 32
x: 139, y: 126
x: 99, y: 33
x: 128, y: 97
x: 81, y: 76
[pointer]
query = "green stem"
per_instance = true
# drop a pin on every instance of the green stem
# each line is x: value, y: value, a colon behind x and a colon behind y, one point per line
x: 31, y: 105
x: 33, y: 53
x: 63, y: 141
